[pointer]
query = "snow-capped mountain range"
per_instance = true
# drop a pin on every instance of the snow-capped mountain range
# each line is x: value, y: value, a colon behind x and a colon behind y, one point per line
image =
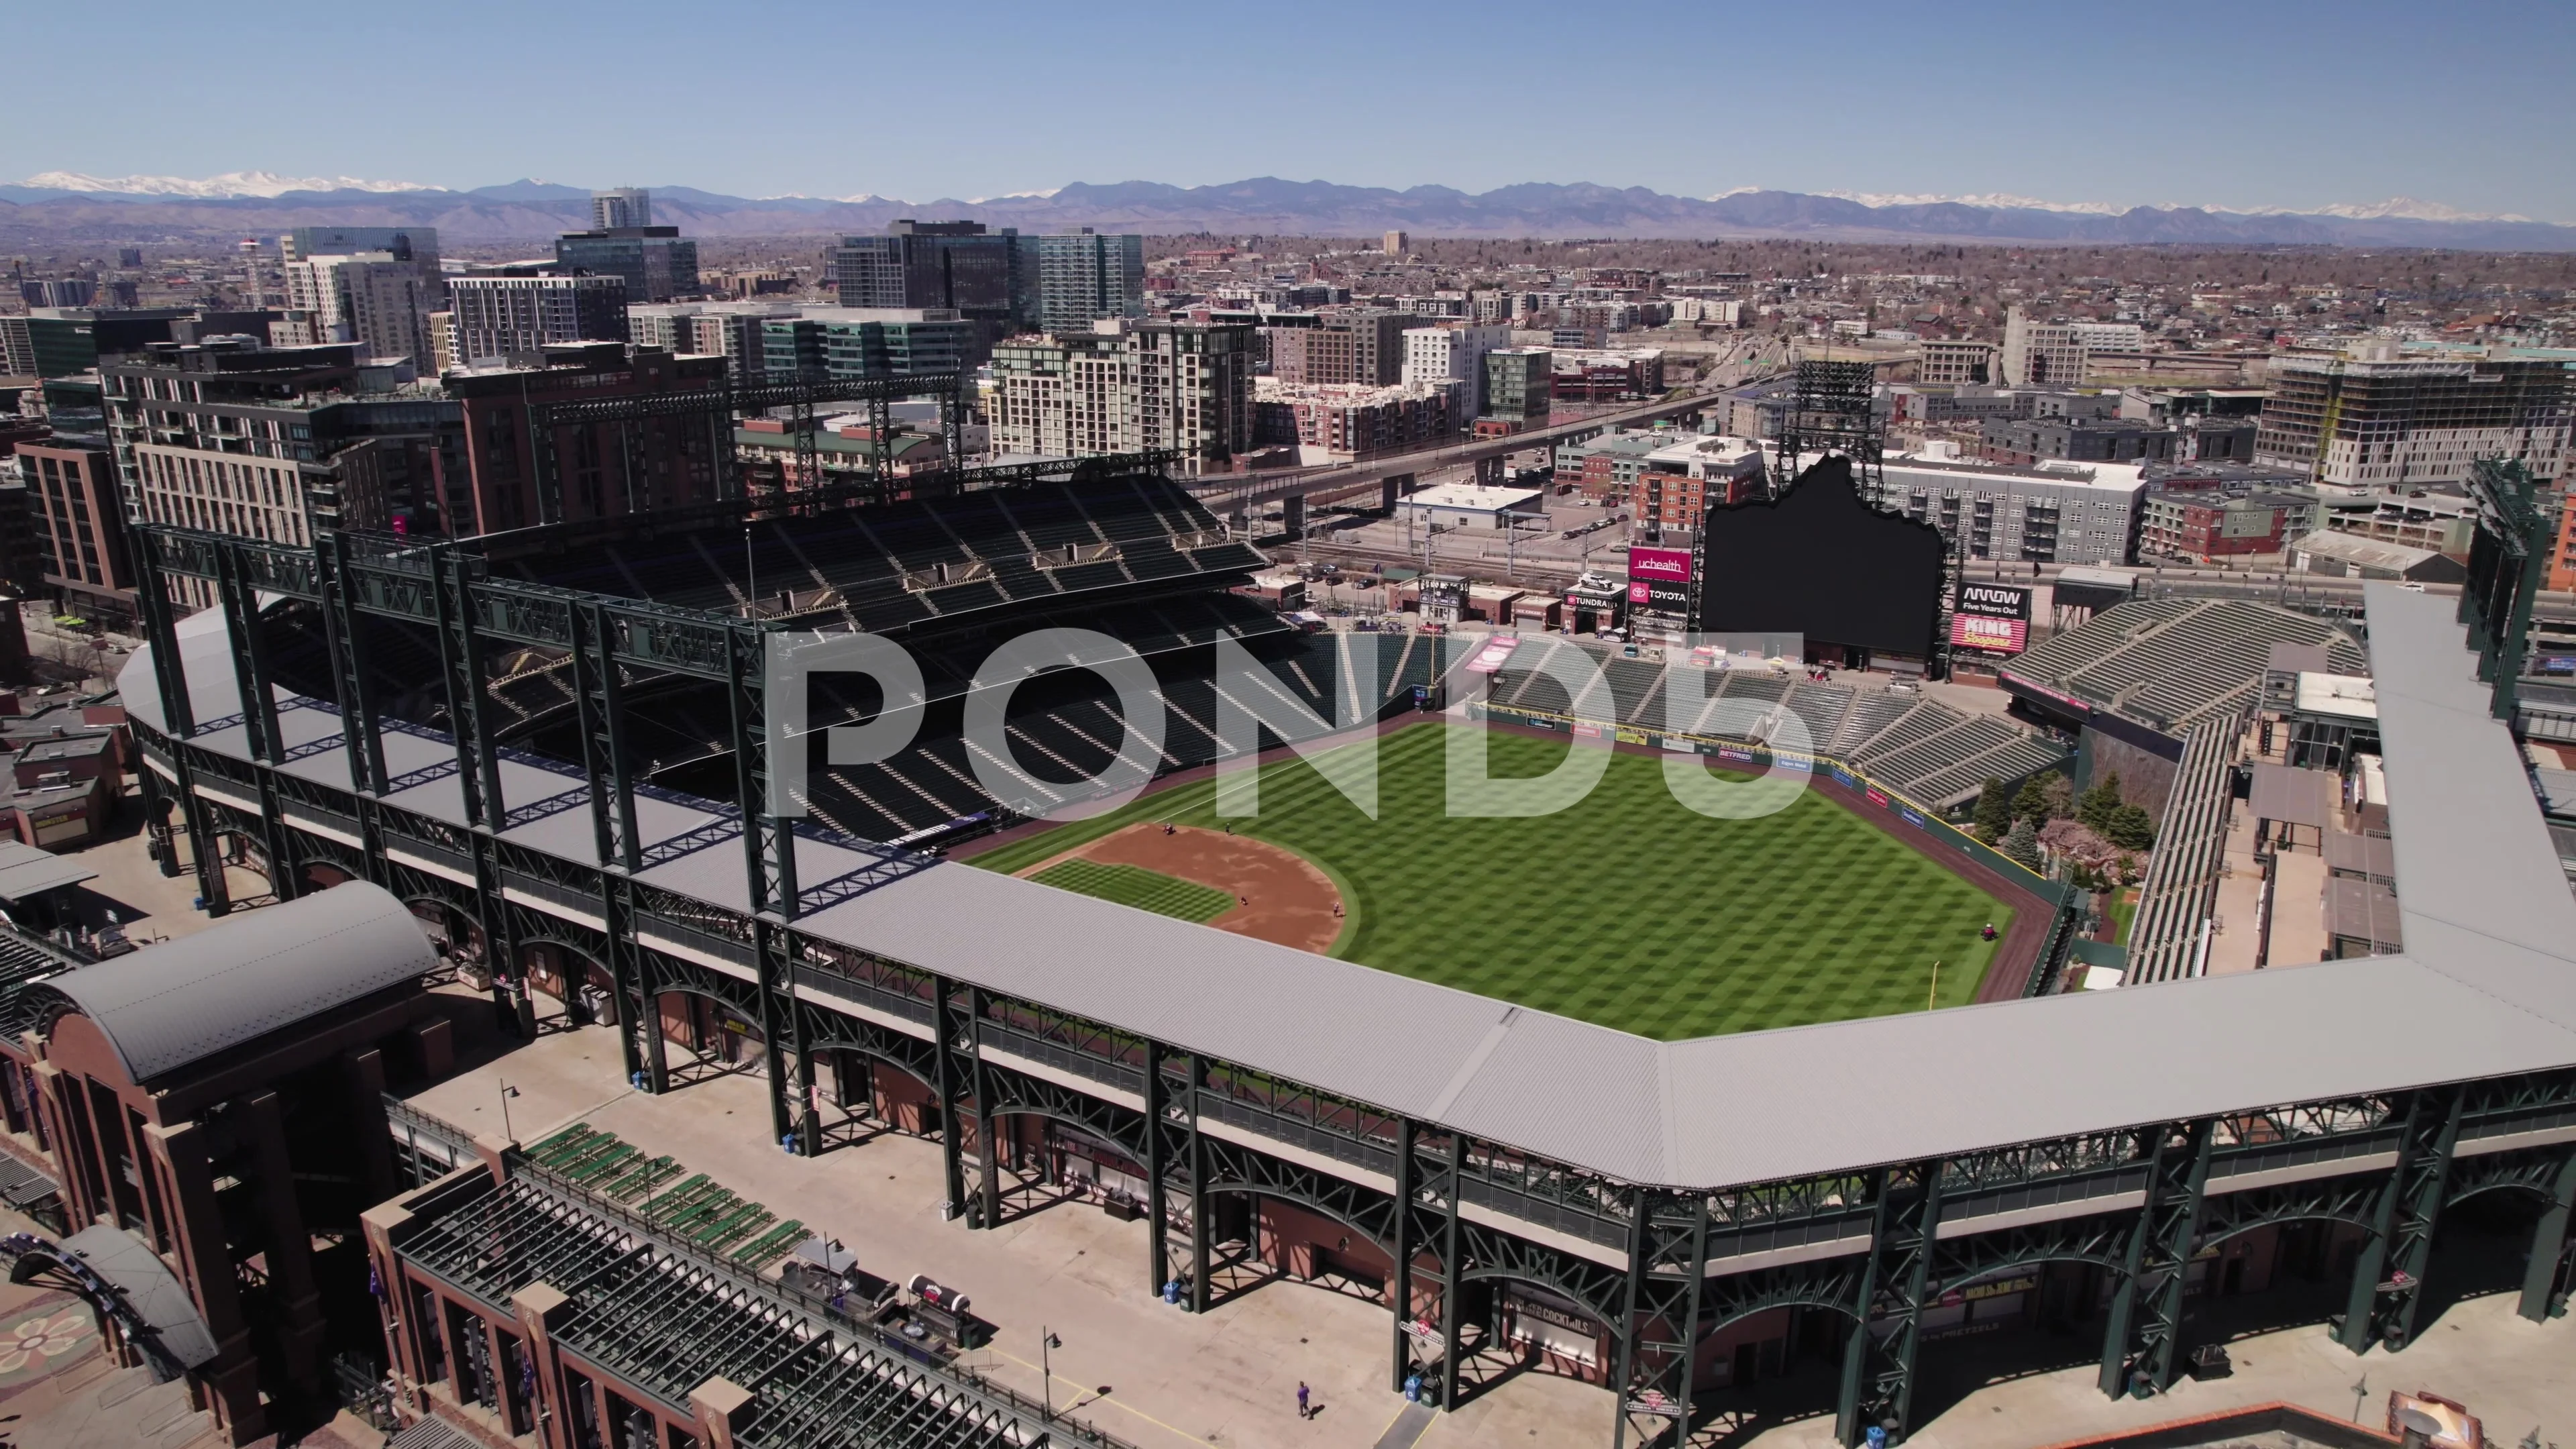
x: 231, y: 183
x: 2403, y: 208
x: 60, y: 204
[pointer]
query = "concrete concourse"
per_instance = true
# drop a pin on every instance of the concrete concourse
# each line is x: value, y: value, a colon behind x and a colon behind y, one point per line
x: 1156, y: 1376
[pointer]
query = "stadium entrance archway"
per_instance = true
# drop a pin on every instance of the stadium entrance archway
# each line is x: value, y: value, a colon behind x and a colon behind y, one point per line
x: 713, y: 1036
x: 581, y: 987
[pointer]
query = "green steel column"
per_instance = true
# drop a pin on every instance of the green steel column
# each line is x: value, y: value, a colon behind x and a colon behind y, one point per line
x: 1641, y: 1205
x: 1158, y: 1106
x: 1400, y: 1282
x: 1847, y: 1401
x: 634, y: 1012
x: 1453, y: 1278
x: 2388, y: 1279
x: 951, y: 1163
x: 988, y: 1142
x: 768, y: 949
x: 1878, y: 1377
x: 1698, y: 1268
x: 2540, y: 1296
x: 657, y: 1052
x: 2175, y: 1232
x: 1200, y: 1227
x: 152, y: 592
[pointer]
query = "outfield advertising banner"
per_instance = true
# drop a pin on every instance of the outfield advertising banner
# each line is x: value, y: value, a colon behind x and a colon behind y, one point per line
x: 1659, y: 578
x: 1991, y: 618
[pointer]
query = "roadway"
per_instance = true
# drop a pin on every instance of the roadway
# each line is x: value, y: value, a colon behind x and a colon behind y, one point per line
x: 1227, y: 497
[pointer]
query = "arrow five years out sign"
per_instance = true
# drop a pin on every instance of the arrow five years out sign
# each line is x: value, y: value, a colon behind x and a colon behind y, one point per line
x: 1991, y: 618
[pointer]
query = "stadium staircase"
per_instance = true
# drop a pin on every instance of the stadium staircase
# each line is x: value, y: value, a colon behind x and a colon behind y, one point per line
x: 2179, y: 896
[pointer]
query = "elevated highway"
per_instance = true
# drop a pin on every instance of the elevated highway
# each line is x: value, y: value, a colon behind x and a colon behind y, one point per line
x: 1229, y: 496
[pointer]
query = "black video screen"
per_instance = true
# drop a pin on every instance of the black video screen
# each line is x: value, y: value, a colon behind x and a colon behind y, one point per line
x: 1819, y: 561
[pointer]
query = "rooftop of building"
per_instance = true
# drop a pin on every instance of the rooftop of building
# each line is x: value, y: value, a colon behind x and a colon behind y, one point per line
x: 166, y: 1006
x: 1271, y: 389
x: 1575, y: 357
x: 1942, y: 458
x: 2358, y: 552
x: 1472, y: 496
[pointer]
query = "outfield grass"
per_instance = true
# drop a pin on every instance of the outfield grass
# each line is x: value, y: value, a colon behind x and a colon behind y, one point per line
x: 1133, y: 885
x: 1627, y: 909
x: 2123, y: 913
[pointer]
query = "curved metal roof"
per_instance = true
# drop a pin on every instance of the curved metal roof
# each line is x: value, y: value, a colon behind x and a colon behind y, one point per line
x: 181, y: 1001
x: 150, y: 1289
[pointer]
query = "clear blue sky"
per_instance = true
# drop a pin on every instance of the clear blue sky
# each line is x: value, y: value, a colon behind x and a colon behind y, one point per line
x: 2467, y: 103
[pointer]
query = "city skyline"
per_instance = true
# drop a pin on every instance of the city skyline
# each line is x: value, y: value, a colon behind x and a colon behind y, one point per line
x: 2114, y: 110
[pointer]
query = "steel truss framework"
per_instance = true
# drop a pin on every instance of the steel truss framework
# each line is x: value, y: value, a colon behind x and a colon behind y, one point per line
x: 716, y: 408
x: 1659, y: 1268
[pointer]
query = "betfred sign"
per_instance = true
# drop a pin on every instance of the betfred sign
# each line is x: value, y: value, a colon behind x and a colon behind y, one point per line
x: 1991, y: 618
x: 1659, y: 578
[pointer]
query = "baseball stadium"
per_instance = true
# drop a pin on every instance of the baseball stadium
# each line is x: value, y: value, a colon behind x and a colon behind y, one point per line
x: 1623, y: 1095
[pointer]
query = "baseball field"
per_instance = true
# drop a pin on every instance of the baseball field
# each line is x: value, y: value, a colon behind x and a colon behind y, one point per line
x: 1627, y: 909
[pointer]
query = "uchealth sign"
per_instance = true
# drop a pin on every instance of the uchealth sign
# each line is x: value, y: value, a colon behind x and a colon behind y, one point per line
x: 1991, y: 618
x: 1659, y: 578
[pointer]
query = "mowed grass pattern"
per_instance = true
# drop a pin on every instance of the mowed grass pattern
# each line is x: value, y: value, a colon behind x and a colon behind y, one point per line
x: 1133, y: 885
x: 1627, y: 910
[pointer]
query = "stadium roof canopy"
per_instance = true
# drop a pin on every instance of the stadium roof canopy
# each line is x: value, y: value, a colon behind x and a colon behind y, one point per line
x: 181, y: 1001
x: 2487, y: 987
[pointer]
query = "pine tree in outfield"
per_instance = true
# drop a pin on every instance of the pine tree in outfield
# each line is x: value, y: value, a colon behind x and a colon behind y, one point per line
x: 1994, y: 811
x: 2130, y: 827
x: 2099, y: 804
x: 2023, y: 843
x: 2031, y: 803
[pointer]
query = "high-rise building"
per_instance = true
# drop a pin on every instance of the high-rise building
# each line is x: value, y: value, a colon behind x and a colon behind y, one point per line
x: 1084, y: 276
x: 602, y: 469
x: 514, y: 317
x: 1454, y: 351
x: 440, y: 330
x: 2054, y: 353
x: 416, y: 246
x: 281, y: 444
x: 657, y: 262
x: 58, y: 292
x: 1360, y: 344
x: 620, y: 208
x: 1955, y: 361
x: 1126, y: 387
x: 982, y: 276
x: 1395, y: 244
x: 1519, y: 383
x: 2069, y: 513
x: 844, y: 343
x: 1355, y: 421
x: 2381, y: 416
x: 65, y: 341
x: 371, y: 298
